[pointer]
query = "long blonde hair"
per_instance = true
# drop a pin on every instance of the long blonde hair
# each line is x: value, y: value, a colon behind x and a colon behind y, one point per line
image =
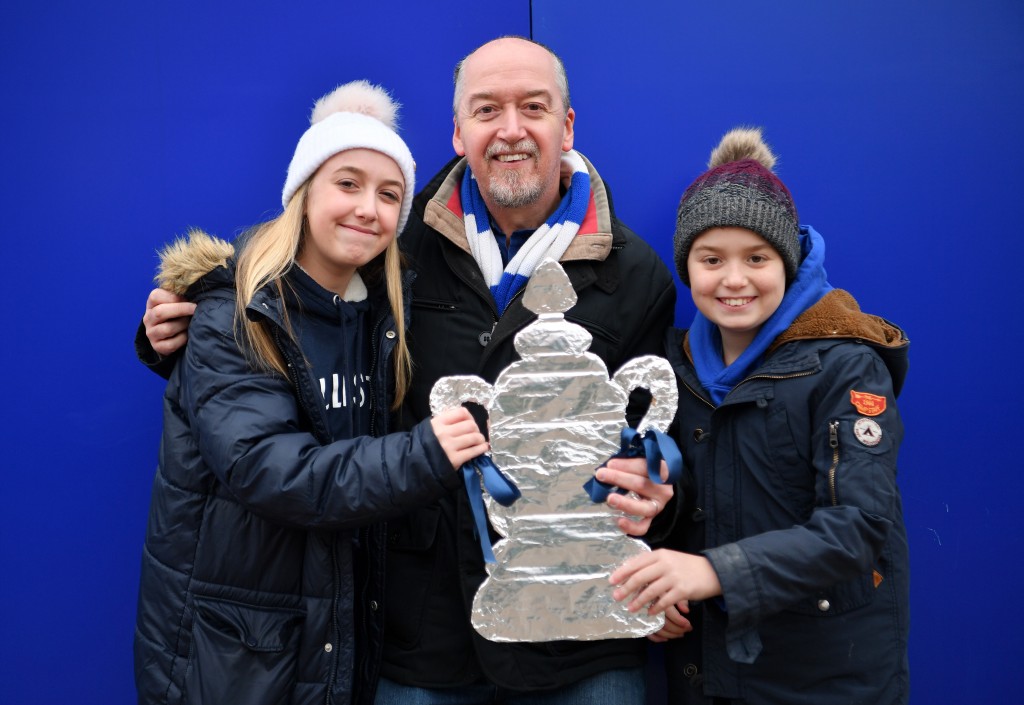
x: 268, y: 255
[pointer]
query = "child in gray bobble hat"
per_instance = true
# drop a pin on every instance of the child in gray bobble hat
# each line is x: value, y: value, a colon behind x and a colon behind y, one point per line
x: 789, y: 560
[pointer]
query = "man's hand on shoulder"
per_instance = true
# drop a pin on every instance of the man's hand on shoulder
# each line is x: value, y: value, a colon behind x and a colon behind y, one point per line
x: 166, y: 321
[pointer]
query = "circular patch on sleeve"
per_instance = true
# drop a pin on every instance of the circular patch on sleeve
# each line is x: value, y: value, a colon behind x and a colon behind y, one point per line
x: 867, y: 431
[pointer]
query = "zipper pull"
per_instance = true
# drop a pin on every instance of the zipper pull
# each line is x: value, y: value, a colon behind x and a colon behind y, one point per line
x: 833, y: 441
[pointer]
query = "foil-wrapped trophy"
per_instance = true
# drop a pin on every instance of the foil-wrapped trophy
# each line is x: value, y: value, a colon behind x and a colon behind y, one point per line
x: 555, y: 417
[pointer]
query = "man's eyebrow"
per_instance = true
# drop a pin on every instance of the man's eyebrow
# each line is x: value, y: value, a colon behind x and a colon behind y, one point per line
x: 490, y: 95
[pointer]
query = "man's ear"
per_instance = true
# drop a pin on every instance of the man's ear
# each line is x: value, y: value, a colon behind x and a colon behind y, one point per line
x: 460, y: 149
x: 567, y: 137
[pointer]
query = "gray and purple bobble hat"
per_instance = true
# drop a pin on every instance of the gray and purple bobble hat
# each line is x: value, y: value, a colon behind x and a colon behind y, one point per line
x: 739, y: 190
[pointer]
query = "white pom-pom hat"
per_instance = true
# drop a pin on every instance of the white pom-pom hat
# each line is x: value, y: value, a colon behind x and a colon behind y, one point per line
x: 356, y: 115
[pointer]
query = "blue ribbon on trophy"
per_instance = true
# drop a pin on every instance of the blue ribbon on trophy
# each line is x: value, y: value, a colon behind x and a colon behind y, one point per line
x: 653, y: 445
x: 501, y: 489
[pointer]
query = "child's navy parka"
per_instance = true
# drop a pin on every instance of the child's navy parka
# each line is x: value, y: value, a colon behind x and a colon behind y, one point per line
x: 792, y: 496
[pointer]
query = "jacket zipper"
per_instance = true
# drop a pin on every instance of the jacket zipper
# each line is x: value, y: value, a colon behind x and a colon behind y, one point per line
x: 433, y: 305
x: 744, y: 381
x: 497, y: 318
x: 335, y: 631
x: 789, y: 376
x: 366, y: 595
x: 293, y: 376
x: 373, y: 376
x: 833, y: 442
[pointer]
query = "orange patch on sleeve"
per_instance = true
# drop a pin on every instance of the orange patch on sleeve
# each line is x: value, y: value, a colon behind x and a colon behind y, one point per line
x: 877, y: 577
x: 867, y: 404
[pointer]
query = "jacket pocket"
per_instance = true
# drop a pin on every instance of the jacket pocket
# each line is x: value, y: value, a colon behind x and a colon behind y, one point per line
x: 242, y: 653
x: 790, y: 472
x: 411, y: 573
x: 606, y: 343
x: 415, y: 531
x: 839, y: 599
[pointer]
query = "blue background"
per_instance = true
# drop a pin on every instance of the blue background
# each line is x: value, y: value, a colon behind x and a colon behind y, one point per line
x: 898, y: 124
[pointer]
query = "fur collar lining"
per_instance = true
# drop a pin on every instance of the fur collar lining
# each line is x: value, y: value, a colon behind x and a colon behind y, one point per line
x: 837, y: 315
x: 186, y: 260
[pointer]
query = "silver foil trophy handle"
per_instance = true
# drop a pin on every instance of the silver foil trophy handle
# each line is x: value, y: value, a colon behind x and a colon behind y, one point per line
x: 654, y: 374
x: 449, y: 392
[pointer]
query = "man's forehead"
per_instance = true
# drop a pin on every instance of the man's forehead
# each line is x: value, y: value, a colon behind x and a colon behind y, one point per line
x: 519, y: 77
x: 505, y: 92
x: 509, y: 56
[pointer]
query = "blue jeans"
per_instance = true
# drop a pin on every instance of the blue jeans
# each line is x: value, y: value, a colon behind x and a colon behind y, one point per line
x: 621, y: 687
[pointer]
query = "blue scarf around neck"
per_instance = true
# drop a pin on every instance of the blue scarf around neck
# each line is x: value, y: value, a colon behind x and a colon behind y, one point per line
x: 809, y: 285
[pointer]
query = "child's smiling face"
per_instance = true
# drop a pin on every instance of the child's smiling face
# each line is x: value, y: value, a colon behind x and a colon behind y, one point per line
x: 737, y: 281
x: 353, y: 207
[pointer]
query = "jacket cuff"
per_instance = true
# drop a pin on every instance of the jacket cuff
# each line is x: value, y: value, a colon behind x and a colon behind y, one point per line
x: 739, y: 593
x: 149, y: 357
x: 448, y: 478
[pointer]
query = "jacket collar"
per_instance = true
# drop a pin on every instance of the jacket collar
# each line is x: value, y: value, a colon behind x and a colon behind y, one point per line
x: 838, y: 317
x: 834, y: 319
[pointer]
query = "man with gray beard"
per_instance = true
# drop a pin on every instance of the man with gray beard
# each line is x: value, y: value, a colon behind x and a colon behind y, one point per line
x: 512, y: 189
x: 516, y: 194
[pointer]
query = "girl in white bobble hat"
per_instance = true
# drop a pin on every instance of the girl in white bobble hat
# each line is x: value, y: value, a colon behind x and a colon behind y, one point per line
x: 263, y: 565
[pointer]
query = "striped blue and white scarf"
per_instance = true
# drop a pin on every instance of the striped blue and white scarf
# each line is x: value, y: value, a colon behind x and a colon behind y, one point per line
x: 549, y: 240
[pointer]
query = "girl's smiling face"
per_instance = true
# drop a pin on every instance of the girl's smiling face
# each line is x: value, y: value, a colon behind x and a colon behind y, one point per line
x: 737, y: 281
x: 353, y: 206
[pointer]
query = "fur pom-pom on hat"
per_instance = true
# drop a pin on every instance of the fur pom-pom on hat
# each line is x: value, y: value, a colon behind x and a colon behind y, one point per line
x: 742, y: 143
x: 357, y: 97
x: 355, y: 115
x: 739, y: 190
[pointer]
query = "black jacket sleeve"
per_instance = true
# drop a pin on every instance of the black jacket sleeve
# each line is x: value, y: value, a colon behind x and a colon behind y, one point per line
x: 248, y: 429
x: 149, y: 357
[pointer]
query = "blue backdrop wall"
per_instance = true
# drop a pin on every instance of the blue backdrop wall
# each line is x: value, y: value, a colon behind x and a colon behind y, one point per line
x: 897, y: 124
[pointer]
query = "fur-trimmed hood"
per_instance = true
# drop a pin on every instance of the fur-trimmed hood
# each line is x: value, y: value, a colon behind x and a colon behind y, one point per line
x: 190, y: 258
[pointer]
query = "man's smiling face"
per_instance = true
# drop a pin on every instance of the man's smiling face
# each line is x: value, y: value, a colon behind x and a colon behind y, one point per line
x: 512, y: 126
